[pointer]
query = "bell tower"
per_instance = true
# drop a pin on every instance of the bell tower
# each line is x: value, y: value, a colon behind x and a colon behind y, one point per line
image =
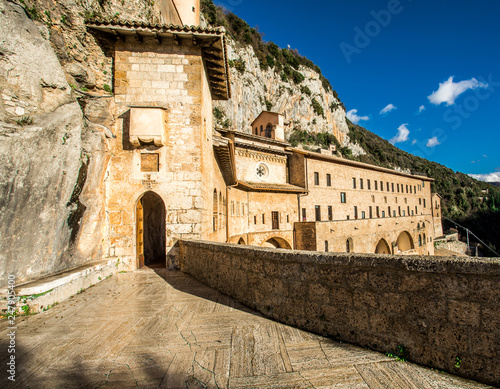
x: 189, y: 11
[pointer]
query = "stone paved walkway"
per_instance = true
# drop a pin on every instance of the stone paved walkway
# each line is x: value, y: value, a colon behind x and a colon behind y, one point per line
x: 150, y: 331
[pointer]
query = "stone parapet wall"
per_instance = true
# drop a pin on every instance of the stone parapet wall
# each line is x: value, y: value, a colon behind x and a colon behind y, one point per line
x: 443, y: 312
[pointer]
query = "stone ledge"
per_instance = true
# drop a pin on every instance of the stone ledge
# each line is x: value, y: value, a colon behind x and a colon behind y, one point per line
x: 420, y: 263
x: 46, y: 291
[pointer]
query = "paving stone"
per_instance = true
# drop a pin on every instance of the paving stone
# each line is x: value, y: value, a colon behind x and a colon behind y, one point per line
x: 154, y: 329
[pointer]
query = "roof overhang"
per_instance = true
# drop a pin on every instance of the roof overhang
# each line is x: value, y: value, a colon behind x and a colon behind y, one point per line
x: 211, y: 40
x: 224, y: 153
x: 264, y: 187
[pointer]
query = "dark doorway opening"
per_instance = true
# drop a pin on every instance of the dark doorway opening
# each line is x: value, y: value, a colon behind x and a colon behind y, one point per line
x: 153, y: 230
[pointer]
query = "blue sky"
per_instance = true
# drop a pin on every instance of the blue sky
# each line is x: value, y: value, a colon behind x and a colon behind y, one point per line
x: 436, y: 62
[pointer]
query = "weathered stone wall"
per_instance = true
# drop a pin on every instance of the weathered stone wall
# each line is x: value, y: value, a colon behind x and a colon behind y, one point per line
x: 443, y: 311
x: 365, y: 234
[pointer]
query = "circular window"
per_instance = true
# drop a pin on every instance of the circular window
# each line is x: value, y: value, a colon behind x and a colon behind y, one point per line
x: 262, y: 171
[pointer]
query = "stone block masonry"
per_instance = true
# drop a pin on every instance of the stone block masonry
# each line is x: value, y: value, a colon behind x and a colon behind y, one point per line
x: 440, y: 312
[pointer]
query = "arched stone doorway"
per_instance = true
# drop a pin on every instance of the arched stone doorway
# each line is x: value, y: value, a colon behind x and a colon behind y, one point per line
x: 241, y: 241
x: 382, y: 247
x: 278, y: 243
x: 405, y: 242
x: 150, y: 231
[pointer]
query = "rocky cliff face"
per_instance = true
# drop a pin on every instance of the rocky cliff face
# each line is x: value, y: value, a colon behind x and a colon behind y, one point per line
x: 55, y: 115
x: 252, y: 87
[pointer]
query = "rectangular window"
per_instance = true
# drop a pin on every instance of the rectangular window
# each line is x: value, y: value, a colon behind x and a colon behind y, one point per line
x: 304, y: 218
x: 403, y: 213
x: 232, y: 208
x: 376, y: 185
x: 275, y: 220
x: 353, y: 183
x: 355, y: 212
x: 328, y: 180
x: 360, y: 183
x: 387, y: 186
x: 389, y: 209
x: 414, y: 189
x: 416, y: 209
x: 396, y: 199
x: 383, y: 213
x: 392, y: 185
x: 317, y: 208
x: 316, y: 178
x: 368, y: 182
x: 399, y: 211
x: 408, y: 210
x: 370, y: 212
x: 288, y: 218
x: 238, y: 208
x: 373, y: 198
x: 423, y: 184
x: 424, y: 204
x: 381, y: 186
x: 378, y: 211
x: 363, y: 215
x: 397, y: 188
x: 263, y: 219
x: 420, y: 201
x: 385, y: 199
x: 406, y: 188
x: 348, y: 217
x: 330, y: 212
x: 410, y: 188
x: 255, y: 220
x: 342, y: 197
x: 394, y: 213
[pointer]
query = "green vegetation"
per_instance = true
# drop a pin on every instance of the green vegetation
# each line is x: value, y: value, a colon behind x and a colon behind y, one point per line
x: 285, y: 62
x: 269, y: 105
x: 24, y: 121
x: 463, y: 199
x: 400, y: 354
x: 312, y: 141
x: 318, y: 108
x: 219, y: 116
x: 107, y: 88
x: 238, y: 64
x: 305, y: 90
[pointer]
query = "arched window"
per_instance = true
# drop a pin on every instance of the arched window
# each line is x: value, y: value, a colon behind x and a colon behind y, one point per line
x: 215, y: 211
x: 425, y: 239
x: 269, y: 130
x: 349, y: 247
x: 261, y: 131
x: 418, y: 226
x: 221, y: 219
x: 420, y: 240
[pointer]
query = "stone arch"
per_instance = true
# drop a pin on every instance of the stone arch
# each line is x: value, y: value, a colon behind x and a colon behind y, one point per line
x: 241, y: 241
x: 349, y: 245
x: 269, y: 131
x: 150, y: 230
x: 382, y: 247
x: 278, y: 243
x: 405, y: 242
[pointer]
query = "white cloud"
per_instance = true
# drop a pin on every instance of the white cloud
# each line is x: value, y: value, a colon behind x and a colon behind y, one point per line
x: 351, y: 115
x: 388, y: 108
x: 489, y: 177
x: 421, y: 109
x: 413, y: 141
x: 433, y: 142
x: 448, y: 91
x: 402, y: 135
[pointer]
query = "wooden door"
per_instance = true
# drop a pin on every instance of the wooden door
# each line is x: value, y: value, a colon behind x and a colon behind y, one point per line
x: 140, y: 234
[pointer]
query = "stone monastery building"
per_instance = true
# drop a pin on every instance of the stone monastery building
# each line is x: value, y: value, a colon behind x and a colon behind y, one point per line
x: 171, y: 175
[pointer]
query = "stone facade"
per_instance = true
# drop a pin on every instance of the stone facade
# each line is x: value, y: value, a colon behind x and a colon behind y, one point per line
x: 171, y: 176
x: 441, y: 312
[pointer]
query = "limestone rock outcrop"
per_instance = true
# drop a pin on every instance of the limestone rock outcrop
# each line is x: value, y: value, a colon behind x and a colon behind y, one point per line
x: 253, y: 87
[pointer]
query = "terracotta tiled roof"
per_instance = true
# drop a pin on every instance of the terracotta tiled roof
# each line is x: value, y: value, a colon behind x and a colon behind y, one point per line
x: 210, y: 39
x: 245, y: 185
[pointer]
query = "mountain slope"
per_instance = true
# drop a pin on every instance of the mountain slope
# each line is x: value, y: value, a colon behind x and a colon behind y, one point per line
x: 263, y: 76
